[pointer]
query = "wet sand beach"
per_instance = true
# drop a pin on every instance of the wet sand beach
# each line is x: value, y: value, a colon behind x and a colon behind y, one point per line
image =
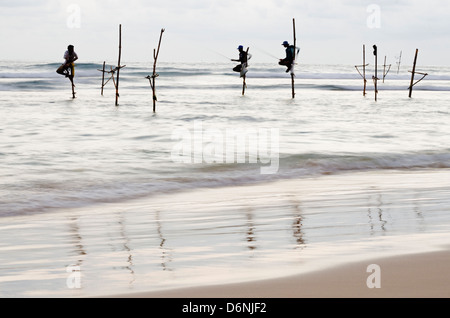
x: 263, y: 240
x: 409, y: 276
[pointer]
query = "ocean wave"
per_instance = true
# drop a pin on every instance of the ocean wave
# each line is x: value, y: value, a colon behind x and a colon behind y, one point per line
x: 191, y: 177
x: 327, y: 164
x: 315, y: 164
x: 329, y: 78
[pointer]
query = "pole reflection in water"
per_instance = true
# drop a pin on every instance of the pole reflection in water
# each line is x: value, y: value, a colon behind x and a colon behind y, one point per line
x: 126, y: 248
x: 75, y: 239
x: 418, y: 212
x: 166, y: 257
x: 250, y: 230
x: 297, y: 226
x: 376, y: 208
x: 215, y: 236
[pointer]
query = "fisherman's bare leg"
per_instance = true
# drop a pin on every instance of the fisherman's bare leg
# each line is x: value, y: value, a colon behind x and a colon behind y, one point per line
x: 62, y: 70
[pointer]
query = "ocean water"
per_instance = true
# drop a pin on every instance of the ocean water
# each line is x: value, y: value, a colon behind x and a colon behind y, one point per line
x: 59, y: 154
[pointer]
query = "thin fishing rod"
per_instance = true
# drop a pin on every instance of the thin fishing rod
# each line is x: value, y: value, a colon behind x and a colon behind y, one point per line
x: 267, y: 53
x: 218, y: 53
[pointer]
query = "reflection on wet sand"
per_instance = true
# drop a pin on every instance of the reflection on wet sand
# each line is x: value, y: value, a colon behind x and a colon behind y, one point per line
x: 377, y: 209
x: 208, y: 236
x: 75, y: 239
x: 214, y: 237
x: 126, y: 247
x: 251, y: 239
x: 166, y: 257
x: 421, y: 224
x: 297, y: 224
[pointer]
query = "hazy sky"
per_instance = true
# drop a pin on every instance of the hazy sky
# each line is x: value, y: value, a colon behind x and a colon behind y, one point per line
x: 328, y: 32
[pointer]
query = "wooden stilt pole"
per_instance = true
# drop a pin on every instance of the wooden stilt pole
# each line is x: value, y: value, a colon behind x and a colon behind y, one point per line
x: 118, y: 65
x: 152, y: 79
x: 375, y: 79
x: 103, y: 70
x: 364, y: 70
x: 103, y: 77
x: 112, y: 77
x: 363, y: 75
x: 385, y: 73
x: 293, y: 85
x: 295, y: 52
x: 413, y: 74
x: 71, y: 76
x: 399, y: 62
x: 244, y: 84
x: 155, y: 58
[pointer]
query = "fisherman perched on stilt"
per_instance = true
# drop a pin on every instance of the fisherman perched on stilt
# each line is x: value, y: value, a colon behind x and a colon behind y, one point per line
x: 289, y: 60
x: 70, y: 57
x: 243, y: 59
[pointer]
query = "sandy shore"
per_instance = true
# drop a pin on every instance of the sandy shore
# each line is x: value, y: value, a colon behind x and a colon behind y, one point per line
x: 300, y: 238
x: 410, y: 276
